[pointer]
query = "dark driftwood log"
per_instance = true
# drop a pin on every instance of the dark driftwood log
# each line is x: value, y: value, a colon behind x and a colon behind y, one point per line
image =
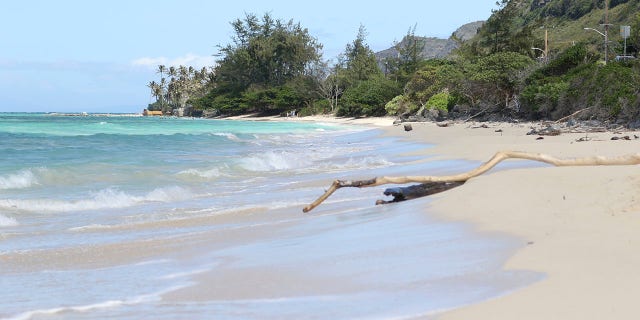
x: 418, y: 191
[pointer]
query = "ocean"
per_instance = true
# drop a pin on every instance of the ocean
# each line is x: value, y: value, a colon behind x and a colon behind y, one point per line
x: 125, y: 217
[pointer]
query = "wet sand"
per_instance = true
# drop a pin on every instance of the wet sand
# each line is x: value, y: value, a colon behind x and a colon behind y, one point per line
x: 580, y: 224
x: 577, y: 225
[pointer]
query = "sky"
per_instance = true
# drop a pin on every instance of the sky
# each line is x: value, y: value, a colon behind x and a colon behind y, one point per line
x: 98, y: 55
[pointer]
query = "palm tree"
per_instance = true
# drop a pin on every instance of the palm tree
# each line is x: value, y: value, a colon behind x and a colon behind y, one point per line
x: 161, y: 70
x: 163, y: 94
x: 172, y: 72
x: 153, y: 86
x: 156, y: 91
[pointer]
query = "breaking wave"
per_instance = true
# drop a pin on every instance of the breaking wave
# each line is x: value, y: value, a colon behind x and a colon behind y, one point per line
x: 20, y: 180
x: 275, y: 161
x: 7, y: 221
x: 104, y: 199
x: 207, y: 174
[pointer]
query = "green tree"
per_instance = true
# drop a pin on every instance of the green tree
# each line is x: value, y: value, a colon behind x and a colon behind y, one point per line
x: 369, y: 97
x: 359, y: 61
x: 432, y: 78
x: 360, y: 79
x: 497, y: 32
x: 408, y: 58
x: 440, y: 101
x: 265, y: 54
x: 503, y: 32
x: 634, y: 39
x: 400, y: 105
x: 500, y: 76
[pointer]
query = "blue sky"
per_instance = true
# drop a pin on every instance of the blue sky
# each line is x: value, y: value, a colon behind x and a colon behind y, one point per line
x: 98, y: 56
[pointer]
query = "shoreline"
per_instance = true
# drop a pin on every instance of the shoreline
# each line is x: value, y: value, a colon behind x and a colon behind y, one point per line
x: 578, y: 225
x: 369, y: 121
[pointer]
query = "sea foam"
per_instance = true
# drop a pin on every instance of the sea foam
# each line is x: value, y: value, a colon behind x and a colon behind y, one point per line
x: 104, y: 199
x: 7, y: 221
x: 207, y: 174
x: 20, y: 180
x: 274, y: 161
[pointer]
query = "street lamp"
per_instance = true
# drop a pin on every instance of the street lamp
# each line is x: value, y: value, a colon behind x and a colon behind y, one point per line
x: 606, y: 42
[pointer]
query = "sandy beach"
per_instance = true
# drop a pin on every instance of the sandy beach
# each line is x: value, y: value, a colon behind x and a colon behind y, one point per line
x: 579, y: 225
x: 524, y: 241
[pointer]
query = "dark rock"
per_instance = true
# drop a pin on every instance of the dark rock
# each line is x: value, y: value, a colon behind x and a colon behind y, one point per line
x: 635, y: 125
x: 412, y: 119
x: 408, y: 127
x: 431, y: 115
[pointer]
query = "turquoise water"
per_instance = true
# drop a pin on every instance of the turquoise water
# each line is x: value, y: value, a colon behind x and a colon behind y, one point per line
x: 146, y: 218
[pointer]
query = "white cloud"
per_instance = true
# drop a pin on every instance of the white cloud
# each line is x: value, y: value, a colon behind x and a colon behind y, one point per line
x: 189, y: 59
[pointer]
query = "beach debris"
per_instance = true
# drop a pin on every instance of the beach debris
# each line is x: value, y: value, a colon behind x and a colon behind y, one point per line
x: 629, y: 159
x: 550, y: 130
x: 540, y: 138
x: 418, y: 191
x: 621, y: 138
x: 570, y: 117
x: 583, y: 139
x: 443, y: 124
x: 408, y: 127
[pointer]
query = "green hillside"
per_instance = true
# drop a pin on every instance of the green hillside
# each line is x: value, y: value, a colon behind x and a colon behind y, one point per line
x: 565, y: 21
x: 503, y: 71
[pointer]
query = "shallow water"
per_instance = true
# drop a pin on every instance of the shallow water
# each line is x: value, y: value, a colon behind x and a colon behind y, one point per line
x: 164, y: 218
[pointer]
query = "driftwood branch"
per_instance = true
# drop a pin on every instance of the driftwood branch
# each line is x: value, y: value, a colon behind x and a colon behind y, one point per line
x: 563, y: 119
x: 630, y: 159
x: 475, y: 115
x: 417, y: 191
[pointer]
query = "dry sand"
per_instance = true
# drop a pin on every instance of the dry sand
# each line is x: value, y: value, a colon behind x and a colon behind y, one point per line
x: 370, y: 121
x: 581, y: 224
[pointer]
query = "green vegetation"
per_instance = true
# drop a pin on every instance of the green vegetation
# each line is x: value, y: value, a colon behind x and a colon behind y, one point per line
x: 184, y: 83
x: 274, y: 67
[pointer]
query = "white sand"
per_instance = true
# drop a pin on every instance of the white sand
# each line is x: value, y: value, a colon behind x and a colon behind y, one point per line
x: 581, y: 224
x: 370, y: 121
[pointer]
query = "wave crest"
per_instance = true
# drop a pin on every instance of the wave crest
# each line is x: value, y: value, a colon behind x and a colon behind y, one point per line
x: 20, y: 180
x: 275, y: 161
x: 203, y: 174
x: 104, y: 199
x: 7, y: 221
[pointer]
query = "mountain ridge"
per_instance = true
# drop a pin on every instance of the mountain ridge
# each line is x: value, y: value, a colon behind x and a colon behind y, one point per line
x: 436, y: 47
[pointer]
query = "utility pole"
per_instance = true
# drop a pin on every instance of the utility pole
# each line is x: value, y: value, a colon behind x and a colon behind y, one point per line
x: 546, y: 44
